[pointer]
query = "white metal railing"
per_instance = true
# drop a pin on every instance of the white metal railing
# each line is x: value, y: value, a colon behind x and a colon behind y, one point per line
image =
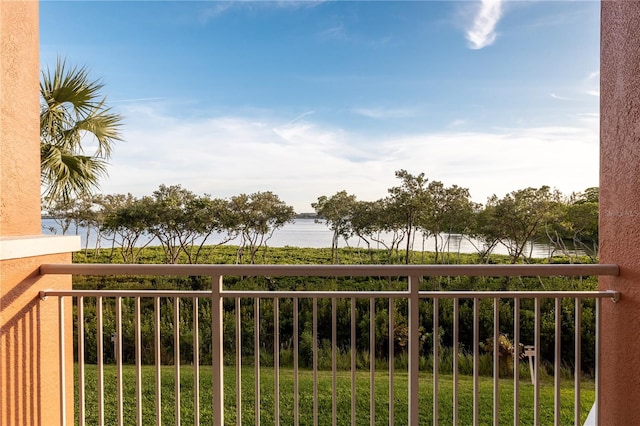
x: 412, y: 296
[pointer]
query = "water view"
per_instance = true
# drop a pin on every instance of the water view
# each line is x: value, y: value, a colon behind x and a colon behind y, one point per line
x: 313, y: 233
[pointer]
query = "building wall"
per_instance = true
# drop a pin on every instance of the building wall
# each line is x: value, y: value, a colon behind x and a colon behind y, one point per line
x: 619, y: 381
x: 29, y: 327
x: 19, y: 119
x: 29, y: 344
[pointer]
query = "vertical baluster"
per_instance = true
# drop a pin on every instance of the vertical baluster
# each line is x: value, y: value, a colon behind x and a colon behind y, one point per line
x: 597, y: 350
x: 176, y: 359
x: 391, y: 360
x: 63, y: 359
x: 516, y: 361
x: 557, y: 364
x: 81, y: 375
x: 238, y: 364
x: 196, y: 363
x: 353, y: 361
x: 296, y: 349
x: 100, y: 327
x: 138, y: 362
x: 456, y: 378
x: 436, y: 356
x: 414, y: 347
x: 256, y: 360
x: 578, y: 361
x: 372, y: 361
x: 118, y: 356
x: 496, y: 361
x: 334, y: 363
x: 217, y: 341
x: 315, y: 361
x: 276, y: 361
x: 536, y: 398
x: 158, y: 360
x: 476, y: 365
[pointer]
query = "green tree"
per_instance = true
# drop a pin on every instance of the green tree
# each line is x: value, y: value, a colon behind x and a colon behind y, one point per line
x: 73, y: 119
x: 337, y: 211
x: 517, y: 218
x: 125, y: 222
x: 410, y: 199
x: 166, y: 220
x: 485, y: 230
x: 258, y: 215
x: 384, y: 222
x: 205, y: 216
x: 449, y: 210
x: 62, y: 213
x: 577, y: 224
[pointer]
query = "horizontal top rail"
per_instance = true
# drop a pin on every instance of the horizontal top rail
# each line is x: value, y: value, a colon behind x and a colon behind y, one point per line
x: 338, y: 294
x: 333, y: 270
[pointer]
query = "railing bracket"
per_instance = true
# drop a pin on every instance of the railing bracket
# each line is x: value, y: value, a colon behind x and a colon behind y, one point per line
x: 43, y: 294
x: 615, y: 296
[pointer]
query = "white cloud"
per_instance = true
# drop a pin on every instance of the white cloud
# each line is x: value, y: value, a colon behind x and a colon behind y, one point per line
x: 483, y: 28
x: 302, y: 160
x: 504, y: 160
x: 558, y: 97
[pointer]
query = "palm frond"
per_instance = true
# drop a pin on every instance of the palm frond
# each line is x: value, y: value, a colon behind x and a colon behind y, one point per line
x: 66, y: 174
x: 73, y: 107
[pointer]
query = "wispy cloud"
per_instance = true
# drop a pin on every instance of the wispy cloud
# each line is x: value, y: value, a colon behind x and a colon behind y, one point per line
x: 336, y: 32
x: 301, y: 116
x: 483, y: 28
x: 558, y: 97
x: 382, y: 113
x: 340, y: 32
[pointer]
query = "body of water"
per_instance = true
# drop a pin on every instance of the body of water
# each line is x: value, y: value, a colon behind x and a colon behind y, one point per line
x: 315, y: 234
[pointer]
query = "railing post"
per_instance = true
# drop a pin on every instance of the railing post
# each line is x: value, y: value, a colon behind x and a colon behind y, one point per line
x: 217, y: 349
x: 414, y: 347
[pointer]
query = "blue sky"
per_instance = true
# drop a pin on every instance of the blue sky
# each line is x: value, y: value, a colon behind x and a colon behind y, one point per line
x: 307, y: 98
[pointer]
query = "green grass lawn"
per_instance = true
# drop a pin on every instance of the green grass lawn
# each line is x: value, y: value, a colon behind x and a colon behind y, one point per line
x: 325, y: 402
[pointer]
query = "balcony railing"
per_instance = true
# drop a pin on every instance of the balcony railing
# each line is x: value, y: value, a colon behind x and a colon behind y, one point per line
x: 268, y: 311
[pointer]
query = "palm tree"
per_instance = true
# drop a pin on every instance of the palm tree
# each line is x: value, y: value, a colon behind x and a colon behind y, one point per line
x: 74, y: 118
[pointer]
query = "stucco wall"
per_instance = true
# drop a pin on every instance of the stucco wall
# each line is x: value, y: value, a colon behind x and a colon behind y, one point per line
x: 620, y: 211
x: 29, y: 350
x: 29, y: 332
x: 19, y: 119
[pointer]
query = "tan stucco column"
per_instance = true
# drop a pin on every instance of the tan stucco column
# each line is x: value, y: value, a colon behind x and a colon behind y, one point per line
x: 619, y: 384
x: 29, y: 332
